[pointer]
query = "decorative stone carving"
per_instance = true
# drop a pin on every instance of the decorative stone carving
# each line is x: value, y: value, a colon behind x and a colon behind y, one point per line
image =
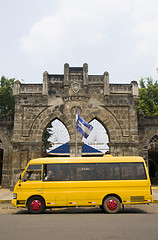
x: 75, y: 87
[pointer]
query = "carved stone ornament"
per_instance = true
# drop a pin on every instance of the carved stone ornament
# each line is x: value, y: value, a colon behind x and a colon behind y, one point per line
x: 75, y: 87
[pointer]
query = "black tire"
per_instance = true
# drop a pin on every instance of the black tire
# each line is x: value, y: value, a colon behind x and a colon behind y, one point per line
x: 36, y: 205
x: 111, y: 204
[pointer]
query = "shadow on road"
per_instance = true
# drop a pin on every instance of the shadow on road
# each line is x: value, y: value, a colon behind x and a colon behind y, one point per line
x: 78, y: 210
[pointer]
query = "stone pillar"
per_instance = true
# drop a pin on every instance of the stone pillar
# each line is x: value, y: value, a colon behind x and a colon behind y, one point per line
x: 124, y: 149
x: 134, y: 90
x: 7, y: 163
x: 22, y: 153
x: 66, y: 74
x: 16, y: 88
x: 16, y: 169
x: 73, y: 149
x: 45, y: 83
x: 106, y: 84
x: 85, y: 74
x: 35, y: 150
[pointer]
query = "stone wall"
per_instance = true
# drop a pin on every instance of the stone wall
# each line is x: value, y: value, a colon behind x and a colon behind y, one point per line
x: 148, y: 129
x: 6, y: 131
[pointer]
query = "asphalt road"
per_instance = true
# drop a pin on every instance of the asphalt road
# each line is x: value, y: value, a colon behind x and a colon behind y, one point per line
x: 138, y: 222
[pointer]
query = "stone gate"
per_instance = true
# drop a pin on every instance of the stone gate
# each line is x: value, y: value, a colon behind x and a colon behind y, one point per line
x: 36, y: 105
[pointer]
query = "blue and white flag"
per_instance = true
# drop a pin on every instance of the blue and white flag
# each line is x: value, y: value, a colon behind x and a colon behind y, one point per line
x: 82, y: 126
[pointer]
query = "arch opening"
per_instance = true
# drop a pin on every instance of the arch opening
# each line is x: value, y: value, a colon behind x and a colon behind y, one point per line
x: 54, y: 136
x: 153, y: 159
x: 98, y: 137
x: 1, y: 164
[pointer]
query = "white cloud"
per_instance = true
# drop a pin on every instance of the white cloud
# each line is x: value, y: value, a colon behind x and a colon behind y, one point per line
x: 146, y: 31
x: 146, y: 24
x: 148, y: 34
x: 121, y: 34
x: 76, y: 23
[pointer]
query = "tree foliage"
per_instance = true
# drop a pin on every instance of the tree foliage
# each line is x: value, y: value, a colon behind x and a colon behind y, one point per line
x: 6, y: 95
x: 148, y: 97
x: 7, y: 103
x: 47, y: 134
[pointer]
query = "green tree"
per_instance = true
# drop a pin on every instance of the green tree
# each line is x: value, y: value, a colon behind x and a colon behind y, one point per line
x: 7, y: 103
x: 47, y: 134
x: 148, y: 97
x: 6, y: 95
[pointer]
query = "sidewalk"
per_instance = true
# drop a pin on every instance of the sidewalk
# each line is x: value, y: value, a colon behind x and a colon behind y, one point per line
x: 155, y: 193
x: 6, y: 195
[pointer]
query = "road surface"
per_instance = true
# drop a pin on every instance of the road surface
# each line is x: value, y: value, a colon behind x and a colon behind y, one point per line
x: 138, y: 222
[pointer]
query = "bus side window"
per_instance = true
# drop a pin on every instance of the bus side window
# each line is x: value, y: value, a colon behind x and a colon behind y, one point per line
x: 83, y: 172
x: 115, y: 171
x: 108, y: 171
x: 49, y: 172
x: 140, y: 171
x: 127, y: 171
x: 56, y: 172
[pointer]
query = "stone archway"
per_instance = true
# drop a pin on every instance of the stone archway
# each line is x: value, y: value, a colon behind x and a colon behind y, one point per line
x: 114, y: 105
x: 153, y: 159
x: 48, y: 115
x: 147, y: 137
x: 118, y: 133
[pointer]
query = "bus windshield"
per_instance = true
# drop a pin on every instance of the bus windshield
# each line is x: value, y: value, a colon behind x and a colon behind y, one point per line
x: 33, y: 173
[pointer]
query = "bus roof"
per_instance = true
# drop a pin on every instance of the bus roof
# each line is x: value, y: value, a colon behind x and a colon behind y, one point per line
x: 86, y: 159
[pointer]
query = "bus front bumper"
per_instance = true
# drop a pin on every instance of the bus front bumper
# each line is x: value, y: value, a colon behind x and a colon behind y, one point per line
x: 14, y: 202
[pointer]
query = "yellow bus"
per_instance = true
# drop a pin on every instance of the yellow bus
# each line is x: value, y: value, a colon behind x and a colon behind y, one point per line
x: 110, y: 182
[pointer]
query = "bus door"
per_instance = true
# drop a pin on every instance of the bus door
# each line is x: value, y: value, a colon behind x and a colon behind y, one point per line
x: 31, y: 182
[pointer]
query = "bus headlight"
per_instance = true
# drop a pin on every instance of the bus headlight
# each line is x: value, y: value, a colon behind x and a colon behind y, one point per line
x: 14, y: 195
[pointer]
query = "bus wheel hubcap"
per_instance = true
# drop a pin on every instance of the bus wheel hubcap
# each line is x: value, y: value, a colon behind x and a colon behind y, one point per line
x: 112, y: 205
x: 36, y: 205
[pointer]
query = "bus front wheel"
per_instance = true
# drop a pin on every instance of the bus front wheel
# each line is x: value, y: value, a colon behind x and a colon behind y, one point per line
x: 36, y: 205
x: 111, y: 204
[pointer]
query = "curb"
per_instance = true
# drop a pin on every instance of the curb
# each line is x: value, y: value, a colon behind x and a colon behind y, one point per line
x: 5, y: 201
x: 154, y: 188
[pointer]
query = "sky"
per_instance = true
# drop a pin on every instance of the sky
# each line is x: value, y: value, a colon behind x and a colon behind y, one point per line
x: 118, y: 36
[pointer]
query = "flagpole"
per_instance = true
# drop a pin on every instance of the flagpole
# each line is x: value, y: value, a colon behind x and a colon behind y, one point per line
x: 76, y: 143
x: 76, y: 135
x: 83, y: 127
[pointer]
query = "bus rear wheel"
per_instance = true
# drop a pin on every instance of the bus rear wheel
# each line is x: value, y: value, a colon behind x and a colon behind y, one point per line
x: 36, y: 205
x: 111, y: 204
